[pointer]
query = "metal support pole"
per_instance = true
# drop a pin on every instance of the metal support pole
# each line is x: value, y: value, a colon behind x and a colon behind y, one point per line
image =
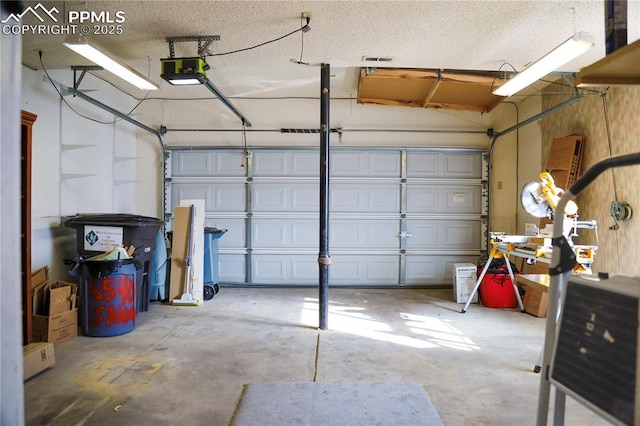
x: 324, y: 260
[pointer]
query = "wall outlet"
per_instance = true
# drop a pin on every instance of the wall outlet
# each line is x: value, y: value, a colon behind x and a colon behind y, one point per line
x: 307, y: 15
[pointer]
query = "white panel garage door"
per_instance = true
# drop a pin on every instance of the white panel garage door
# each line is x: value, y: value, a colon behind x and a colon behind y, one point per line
x: 397, y: 216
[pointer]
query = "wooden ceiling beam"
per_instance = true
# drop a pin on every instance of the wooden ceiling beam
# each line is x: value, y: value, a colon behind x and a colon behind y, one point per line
x: 432, y: 91
x: 429, y: 88
x: 390, y: 102
x: 460, y: 107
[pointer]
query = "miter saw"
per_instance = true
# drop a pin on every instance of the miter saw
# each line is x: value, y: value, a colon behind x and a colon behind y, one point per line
x: 540, y: 200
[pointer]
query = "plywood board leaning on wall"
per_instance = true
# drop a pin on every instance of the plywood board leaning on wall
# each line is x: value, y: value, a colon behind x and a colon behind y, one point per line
x: 564, y: 161
x: 181, y: 218
x: 197, y: 238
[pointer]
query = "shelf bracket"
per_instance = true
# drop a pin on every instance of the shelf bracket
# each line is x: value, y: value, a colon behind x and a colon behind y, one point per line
x: 203, y: 43
x: 83, y: 70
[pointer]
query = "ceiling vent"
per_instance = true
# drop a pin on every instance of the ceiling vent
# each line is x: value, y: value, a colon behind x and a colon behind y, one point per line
x: 377, y: 58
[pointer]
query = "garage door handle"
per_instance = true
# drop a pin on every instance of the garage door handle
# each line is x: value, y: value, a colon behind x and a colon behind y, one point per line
x: 404, y: 234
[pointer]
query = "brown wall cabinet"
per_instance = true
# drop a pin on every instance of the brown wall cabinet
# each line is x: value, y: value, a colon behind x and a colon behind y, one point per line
x: 27, y: 120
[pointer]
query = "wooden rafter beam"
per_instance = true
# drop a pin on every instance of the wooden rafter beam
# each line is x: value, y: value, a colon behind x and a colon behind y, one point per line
x: 432, y: 91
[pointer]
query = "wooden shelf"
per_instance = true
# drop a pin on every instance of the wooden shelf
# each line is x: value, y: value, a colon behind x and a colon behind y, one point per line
x: 619, y: 68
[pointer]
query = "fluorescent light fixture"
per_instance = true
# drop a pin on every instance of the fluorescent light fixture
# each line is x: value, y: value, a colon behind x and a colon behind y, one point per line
x: 567, y: 51
x: 80, y: 45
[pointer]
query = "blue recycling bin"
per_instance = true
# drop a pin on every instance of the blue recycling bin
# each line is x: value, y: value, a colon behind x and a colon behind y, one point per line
x: 211, y: 265
x: 158, y: 270
x: 107, y: 297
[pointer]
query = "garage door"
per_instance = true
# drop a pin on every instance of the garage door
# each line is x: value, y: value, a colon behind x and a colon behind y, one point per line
x: 397, y: 216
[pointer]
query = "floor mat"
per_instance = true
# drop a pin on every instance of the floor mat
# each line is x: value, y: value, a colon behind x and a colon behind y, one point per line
x: 336, y: 404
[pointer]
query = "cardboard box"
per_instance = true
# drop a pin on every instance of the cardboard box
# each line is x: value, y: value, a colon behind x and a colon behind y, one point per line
x: 55, y: 315
x: 55, y: 329
x: 465, y: 276
x: 37, y: 357
x: 536, y: 268
x: 535, y: 302
x: 564, y: 160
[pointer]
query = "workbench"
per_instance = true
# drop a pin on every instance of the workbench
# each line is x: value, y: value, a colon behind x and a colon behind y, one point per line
x: 498, y: 251
x: 537, y: 281
x: 532, y: 249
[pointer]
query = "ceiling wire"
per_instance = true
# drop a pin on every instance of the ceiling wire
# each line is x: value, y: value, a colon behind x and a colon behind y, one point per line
x: 605, y: 108
x: 85, y: 116
x: 303, y: 28
x: 65, y: 101
x: 299, y: 61
x: 493, y: 82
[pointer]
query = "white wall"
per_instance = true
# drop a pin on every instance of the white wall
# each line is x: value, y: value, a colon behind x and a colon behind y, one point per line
x: 77, y: 162
x: 516, y: 161
x: 530, y: 161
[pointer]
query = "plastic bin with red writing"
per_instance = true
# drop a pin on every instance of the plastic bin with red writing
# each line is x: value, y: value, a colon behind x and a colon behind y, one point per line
x: 107, y: 297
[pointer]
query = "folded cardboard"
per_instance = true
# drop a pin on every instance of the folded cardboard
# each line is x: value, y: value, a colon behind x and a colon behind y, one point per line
x: 39, y: 279
x: 564, y: 160
x: 55, y: 315
x: 40, y: 276
x: 464, y: 280
x: 37, y: 357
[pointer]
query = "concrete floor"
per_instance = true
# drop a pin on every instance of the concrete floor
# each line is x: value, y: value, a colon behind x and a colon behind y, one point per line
x: 188, y: 365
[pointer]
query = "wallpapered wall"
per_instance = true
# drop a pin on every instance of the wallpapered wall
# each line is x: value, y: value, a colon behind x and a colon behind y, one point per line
x: 619, y: 251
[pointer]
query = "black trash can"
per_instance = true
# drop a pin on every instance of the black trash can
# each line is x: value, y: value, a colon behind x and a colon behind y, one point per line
x: 94, y: 230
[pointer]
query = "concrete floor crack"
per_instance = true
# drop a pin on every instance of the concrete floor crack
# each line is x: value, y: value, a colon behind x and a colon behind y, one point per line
x: 315, y: 366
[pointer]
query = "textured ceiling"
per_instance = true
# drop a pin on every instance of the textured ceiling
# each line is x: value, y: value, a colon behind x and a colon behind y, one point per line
x: 457, y: 35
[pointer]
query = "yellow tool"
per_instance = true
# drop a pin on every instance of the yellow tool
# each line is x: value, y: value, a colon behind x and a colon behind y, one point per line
x: 552, y: 194
x: 540, y: 199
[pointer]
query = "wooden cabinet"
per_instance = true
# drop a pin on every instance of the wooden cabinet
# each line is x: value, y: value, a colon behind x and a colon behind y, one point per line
x: 27, y: 120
